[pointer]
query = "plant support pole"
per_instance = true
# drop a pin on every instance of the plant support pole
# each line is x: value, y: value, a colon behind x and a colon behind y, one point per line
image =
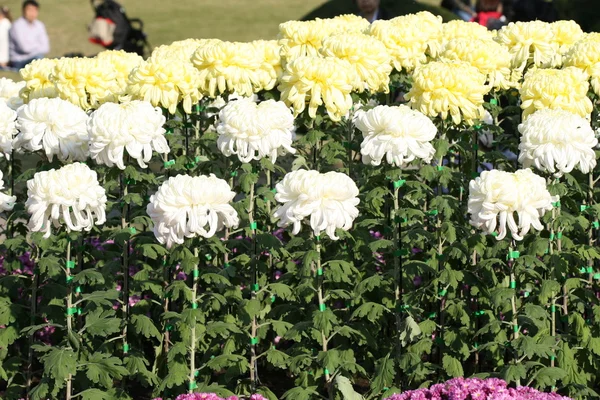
x: 322, y: 308
x: 70, y: 309
x: 192, y: 379
x: 125, y: 258
x: 253, y: 293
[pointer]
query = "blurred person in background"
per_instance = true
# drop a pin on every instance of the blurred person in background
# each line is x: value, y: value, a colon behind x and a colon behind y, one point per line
x: 490, y: 13
x: 28, y: 37
x: 371, y: 10
x: 463, y: 8
x: 5, y: 23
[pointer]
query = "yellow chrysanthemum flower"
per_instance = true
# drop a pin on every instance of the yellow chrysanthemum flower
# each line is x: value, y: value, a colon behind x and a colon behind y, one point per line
x: 318, y: 81
x: 368, y: 57
x: 566, y: 34
x: 304, y: 38
x: 269, y: 52
x: 37, y: 80
x: 490, y: 58
x: 455, y: 88
x: 459, y: 29
x: 182, y: 49
x: 228, y: 67
x: 123, y: 63
x: 430, y: 25
x: 86, y: 82
x: 556, y: 88
x: 404, y: 42
x: 165, y: 83
x: 530, y: 42
x: 585, y: 54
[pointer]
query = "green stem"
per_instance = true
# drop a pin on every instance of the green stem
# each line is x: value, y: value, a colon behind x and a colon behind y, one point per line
x: 33, y: 308
x: 396, y: 227
x: 125, y: 259
x: 322, y: 308
x: 192, y: 378
x: 513, y: 302
x: 254, y: 289
x: 70, y: 311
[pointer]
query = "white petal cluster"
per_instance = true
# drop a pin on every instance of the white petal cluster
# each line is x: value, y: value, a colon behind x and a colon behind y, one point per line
x: 6, y: 202
x: 399, y: 134
x: 557, y: 141
x: 135, y: 126
x: 495, y: 197
x: 186, y: 206
x: 55, y: 126
x: 9, y: 92
x: 254, y: 131
x: 70, y: 195
x: 8, y: 129
x: 329, y: 199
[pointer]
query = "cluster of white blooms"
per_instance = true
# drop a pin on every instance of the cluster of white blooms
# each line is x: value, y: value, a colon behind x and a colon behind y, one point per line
x: 70, y: 195
x: 253, y: 131
x: 328, y: 199
x: 186, y: 206
x: 496, y: 196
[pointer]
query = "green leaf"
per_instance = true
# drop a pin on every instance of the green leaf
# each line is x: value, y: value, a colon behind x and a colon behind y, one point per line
x: 102, y: 297
x: 101, y: 323
x: 277, y: 358
x: 88, y: 276
x: 409, y: 331
x: 514, y: 372
x: 548, y: 376
x: 8, y: 335
x: 8, y: 311
x: 324, y: 320
x: 59, y: 363
x: 452, y: 366
x: 340, y: 271
x: 345, y: 387
x: 104, y: 369
x: 384, y: 374
x: 300, y: 393
x: 144, y: 326
x: 282, y: 291
x: 373, y: 311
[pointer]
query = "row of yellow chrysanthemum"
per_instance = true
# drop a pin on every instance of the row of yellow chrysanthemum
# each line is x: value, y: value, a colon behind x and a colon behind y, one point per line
x: 321, y: 62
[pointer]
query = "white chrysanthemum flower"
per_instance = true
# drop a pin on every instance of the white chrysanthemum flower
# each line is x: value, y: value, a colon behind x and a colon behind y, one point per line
x: 9, y: 92
x: 6, y: 202
x: 135, y: 126
x: 495, y: 197
x: 557, y: 141
x: 397, y: 133
x: 54, y: 125
x: 186, y: 206
x: 329, y: 200
x: 70, y: 195
x: 8, y: 129
x: 254, y: 131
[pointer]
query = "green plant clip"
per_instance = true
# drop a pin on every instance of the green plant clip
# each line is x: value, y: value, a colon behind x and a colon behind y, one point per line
x: 553, y: 308
x: 325, y: 371
x: 194, y: 306
x: 440, y: 167
x: 494, y: 234
x: 226, y: 265
x: 515, y: 328
x: 208, y: 257
x: 70, y: 264
x: 596, y: 224
x: 526, y: 294
x: 169, y: 131
x: 318, y: 238
x: 589, y: 270
x: 273, y: 298
x: 125, y: 348
x: 596, y: 276
x: 513, y: 284
x: 432, y: 315
x: 475, y: 147
x: 552, y: 358
x: 234, y: 174
x: 556, y: 204
x: 583, y: 207
x: 552, y: 236
x: 274, y: 190
x: 559, y: 235
x: 192, y: 385
x: 72, y: 311
x: 253, y: 341
x: 132, y: 230
x: 255, y: 287
x: 69, y: 279
x: 322, y: 307
x: 78, y: 289
x: 169, y: 327
x: 196, y: 273
x: 399, y: 183
x: 433, y: 212
x: 130, y: 181
x: 513, y: 255
x: 494, y: 102
x: 443, y: 292
x: 582, y: 270
x: 169, y: 164
x: 319, y: 271
x: 253, y: 226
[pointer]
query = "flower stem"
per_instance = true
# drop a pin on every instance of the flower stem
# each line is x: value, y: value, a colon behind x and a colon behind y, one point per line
x: 33, y: 310
x: 70, y: 310
x: 253, y: 290
x: 396, y: 228
x: 322, y: 308
x: 513, y: 300
x: 125, y: 259
x: 192, y: 379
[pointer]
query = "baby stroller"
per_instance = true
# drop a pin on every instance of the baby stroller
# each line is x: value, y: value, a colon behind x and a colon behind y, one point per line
x: 112, y: 29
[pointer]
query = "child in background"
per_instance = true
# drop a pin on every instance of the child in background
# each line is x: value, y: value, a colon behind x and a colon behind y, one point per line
x: 489, y: 14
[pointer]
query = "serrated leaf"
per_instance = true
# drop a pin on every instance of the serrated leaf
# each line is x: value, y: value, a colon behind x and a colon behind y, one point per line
x: 514, y: 372
x: 277, y: 358
x: 104, y: 369
x: 300, y: 393
x: 145, y: 326
x: 88, y: 276
x: 384, y: 374
x: 452, y: 366
x: 373, y: 311
x: 345, y: 387
x: 59, y: 363
x: 281, y: 290
x: 409, y: 331
x: 101, y: 323
x: 548, y: 376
